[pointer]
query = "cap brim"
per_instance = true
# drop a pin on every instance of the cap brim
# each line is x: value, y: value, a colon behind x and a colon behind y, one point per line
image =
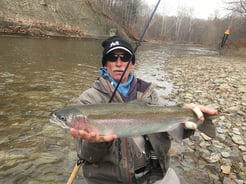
x: 119, y: 47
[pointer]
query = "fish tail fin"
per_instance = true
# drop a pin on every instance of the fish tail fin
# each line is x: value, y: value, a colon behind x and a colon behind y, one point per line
x: 208, y: 127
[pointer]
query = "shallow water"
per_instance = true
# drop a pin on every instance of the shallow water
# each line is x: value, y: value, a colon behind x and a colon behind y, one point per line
x: 38, y: 76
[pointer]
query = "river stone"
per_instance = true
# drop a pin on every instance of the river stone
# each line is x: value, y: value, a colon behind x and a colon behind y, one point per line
x: 225, y: 154
x: 204, y: 144
x: 222, y: 118
x: 221, y: 137
x: 224, y: 87
x: 242, y: 148
x: 244, y: 158
x: 240, y: 181
x: 219, y: 130
x: 226, y: 169
x: 237, y: 139
x: 236, y: 131
x: 205, y: 137
x: 228, y: 181
x: 214, y: 157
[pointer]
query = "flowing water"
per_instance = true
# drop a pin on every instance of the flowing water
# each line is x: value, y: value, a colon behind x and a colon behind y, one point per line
x: 38, y: 76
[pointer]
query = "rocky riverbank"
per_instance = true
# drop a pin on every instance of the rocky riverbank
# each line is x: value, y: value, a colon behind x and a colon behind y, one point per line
x: 218, y: 82
x: 63, y: 19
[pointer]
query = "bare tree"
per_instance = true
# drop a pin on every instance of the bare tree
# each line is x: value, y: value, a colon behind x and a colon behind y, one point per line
x: 237, y: 6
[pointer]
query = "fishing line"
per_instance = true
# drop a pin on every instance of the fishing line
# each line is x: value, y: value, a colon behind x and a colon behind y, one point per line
x: 135, y: 49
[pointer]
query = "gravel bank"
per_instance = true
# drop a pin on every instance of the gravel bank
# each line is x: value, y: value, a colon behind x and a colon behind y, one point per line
x: 219, y: 82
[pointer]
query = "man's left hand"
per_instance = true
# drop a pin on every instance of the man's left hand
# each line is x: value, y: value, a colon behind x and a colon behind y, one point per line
x: 198, y: 110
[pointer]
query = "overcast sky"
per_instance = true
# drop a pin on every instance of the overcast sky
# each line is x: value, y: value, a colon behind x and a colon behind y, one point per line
x: 202, y: 8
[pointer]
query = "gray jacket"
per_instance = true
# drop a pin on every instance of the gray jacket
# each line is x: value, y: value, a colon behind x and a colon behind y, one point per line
x: 113, y: 162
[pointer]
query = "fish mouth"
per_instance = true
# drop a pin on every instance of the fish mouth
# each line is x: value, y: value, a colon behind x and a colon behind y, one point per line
x: 54, y: 119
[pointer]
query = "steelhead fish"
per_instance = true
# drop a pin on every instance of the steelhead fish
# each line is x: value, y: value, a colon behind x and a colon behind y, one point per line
x: 127, y: 119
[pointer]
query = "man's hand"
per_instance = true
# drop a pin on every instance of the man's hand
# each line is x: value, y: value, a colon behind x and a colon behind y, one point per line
x: 92, y: 136
x: 198, y: 110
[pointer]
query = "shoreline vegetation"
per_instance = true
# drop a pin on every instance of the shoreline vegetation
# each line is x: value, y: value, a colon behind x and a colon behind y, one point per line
x: 101, y: 19
x: 231, y: 49
x: 23, y: 28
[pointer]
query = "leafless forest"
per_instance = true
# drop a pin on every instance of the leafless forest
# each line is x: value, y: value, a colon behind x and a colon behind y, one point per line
x: 183, y: 27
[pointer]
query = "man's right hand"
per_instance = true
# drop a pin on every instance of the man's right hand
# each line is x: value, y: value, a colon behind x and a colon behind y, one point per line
x: 91, y: 136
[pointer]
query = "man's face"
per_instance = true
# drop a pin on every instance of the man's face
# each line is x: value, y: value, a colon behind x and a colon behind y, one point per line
x: 115, y: 65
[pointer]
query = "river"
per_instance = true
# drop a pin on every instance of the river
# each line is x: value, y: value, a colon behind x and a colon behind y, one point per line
x: 38, y: 76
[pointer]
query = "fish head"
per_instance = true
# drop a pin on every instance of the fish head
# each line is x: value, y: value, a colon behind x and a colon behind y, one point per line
x: 68, y: 117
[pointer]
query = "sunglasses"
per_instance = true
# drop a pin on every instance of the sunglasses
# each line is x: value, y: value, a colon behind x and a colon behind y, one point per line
x: 113, y: 57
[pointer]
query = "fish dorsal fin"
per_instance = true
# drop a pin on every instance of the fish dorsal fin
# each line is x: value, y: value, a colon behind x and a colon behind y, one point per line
x: 138, y: 102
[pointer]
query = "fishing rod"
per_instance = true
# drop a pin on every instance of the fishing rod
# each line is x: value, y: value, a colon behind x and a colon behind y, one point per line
x: 135, y: 49
x: 79, y: 162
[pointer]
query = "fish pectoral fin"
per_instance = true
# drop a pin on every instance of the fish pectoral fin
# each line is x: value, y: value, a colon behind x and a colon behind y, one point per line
x: 177, y: 133
x: 140, y: 102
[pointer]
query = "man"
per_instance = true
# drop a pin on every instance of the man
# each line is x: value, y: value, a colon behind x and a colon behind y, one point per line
x: 112, y: 160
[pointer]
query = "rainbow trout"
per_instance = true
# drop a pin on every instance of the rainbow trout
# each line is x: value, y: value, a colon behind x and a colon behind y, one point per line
x: 127, y: 119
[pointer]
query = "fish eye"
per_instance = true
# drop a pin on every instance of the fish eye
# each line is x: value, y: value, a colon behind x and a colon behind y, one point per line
x: 63, y: 118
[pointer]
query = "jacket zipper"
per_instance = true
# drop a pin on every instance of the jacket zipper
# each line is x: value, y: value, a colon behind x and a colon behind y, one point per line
x: 128, y: 172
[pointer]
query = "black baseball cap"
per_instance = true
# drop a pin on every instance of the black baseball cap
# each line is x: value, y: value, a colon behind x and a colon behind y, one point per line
x: 114, y: 43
